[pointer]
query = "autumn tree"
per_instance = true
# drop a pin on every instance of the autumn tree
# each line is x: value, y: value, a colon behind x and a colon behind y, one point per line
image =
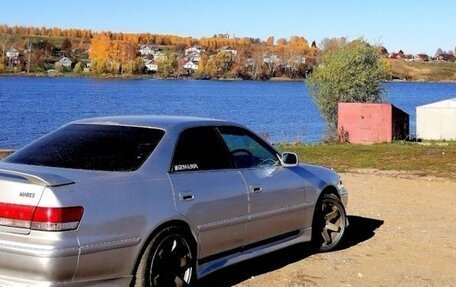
x: 201, y: 73
x: 332, y: 44
x: 4, y: 40
x: 270, y: 41
x: 66, y: 46
x: 259, y: 69
x: 99, y: 53
x: 219, y: 64
x: 239, y: 67
x: 2, y: 64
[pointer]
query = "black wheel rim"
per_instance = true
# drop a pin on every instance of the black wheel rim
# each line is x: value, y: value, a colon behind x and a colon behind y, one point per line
x: 171, y: 264
x: 333, y: 222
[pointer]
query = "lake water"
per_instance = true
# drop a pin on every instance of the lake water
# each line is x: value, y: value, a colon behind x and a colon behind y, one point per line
x: 31, y: 107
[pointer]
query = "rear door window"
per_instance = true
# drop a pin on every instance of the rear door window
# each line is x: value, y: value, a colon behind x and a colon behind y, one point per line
x: 200, y: 148
x: 92, y: 147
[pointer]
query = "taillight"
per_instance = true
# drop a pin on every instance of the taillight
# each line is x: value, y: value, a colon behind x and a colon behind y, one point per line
x: 15, y: 215
x: 57, y: 218
x: 40, y: 218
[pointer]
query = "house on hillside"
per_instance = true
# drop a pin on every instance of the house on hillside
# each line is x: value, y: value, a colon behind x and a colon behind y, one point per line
x: 193, y: 50
x: 397, y: 55
x: 64, y: 62
x: 149, y: 51
x: 193, y: 54
x: 193, y: 57
x: 190, y: 66
x: 445, y: 57
x: 271, y: 59
x: 146, y: 50
x: 12, y: 55
x: 421, y: 58
x: 151, y: 66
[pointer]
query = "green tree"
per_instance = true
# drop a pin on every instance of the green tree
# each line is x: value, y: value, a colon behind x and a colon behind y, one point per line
x: 351, y: 72
x: 166, y: 64
x: 219, y: 64
x: 78, y: 68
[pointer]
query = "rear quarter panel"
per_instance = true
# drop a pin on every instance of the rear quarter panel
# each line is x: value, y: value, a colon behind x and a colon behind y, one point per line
x: 120, y: 212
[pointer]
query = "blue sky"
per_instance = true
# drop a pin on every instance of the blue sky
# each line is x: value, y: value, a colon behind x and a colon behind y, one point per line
x: 413, y: 26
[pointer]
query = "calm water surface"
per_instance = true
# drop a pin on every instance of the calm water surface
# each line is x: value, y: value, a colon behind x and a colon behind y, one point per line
x: 31, y: 107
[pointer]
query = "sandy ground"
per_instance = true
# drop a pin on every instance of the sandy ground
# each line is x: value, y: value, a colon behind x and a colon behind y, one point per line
x: 400, y: 234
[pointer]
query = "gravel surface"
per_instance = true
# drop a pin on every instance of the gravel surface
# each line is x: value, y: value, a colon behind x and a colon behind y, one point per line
x: 400, y: 234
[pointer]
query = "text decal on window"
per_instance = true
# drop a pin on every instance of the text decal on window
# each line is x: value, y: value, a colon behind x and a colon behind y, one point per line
x: 180, y: 167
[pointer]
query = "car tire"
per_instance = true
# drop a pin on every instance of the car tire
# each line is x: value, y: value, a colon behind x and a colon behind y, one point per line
x: 329, y: 223
x: 167, y: 261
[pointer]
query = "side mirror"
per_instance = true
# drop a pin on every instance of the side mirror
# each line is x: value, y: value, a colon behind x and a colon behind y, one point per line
x: 289, y: 159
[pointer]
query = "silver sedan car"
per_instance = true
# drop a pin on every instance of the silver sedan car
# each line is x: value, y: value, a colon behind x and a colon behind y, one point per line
x: 156, y: 201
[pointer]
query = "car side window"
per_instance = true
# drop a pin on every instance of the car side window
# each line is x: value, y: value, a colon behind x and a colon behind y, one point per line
x: 200, y: 148
x: 248, y: 150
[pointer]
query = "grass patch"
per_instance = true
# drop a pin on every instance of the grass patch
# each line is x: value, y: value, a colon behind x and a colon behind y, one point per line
x: 437, y: 159
x: 422, y: 71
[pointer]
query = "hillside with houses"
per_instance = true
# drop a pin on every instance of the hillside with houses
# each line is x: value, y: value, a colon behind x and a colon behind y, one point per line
x: 53, y: 51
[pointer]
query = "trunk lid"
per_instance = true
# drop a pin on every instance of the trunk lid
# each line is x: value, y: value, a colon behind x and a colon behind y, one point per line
x: 20, y: 193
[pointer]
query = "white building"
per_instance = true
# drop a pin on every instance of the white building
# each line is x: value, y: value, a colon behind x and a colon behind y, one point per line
x: 146, y: 50
x: 193, y: 50
x: 151, y: 66
x: 271, y: 59
x: 65, y: 62
x: 436, y: 121
x: 190, y: 66
x: 12, y: 53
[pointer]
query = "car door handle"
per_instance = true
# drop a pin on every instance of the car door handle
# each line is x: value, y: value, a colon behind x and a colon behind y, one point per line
x: 255, y: 188
x: 186, y: 196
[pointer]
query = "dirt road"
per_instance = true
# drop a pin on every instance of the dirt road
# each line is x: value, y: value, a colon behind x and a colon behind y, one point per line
x: 401, y: 234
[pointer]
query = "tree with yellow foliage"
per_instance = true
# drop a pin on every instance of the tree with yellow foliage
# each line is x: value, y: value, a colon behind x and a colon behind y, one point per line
x: 99, y: 53
x: 114, y: 56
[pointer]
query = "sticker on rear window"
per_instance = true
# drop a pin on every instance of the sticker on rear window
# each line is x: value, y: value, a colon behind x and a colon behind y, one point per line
x: 181, y: 167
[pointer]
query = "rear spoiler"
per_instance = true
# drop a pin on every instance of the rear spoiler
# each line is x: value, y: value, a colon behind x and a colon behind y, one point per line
x: 38, y: 178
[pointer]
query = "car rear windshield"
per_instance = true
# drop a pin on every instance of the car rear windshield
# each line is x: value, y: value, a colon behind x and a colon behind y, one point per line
x: 91, y: 147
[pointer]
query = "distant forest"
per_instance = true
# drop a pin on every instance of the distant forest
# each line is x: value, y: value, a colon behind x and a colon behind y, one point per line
x: 38, y: 49
x: 56, y: 51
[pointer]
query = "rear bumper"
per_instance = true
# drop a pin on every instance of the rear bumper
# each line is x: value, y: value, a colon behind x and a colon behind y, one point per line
x: 62, y: 262
x: 24, y: 264
x: 120, y: 282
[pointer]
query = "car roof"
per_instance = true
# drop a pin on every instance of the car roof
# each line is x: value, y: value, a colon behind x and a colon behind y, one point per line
x: 154, y: 121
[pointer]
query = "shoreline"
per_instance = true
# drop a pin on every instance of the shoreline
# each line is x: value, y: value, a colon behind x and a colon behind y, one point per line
x: 151, y: 77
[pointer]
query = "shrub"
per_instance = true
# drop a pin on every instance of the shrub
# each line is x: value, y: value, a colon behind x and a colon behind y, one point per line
x: 351, y: 72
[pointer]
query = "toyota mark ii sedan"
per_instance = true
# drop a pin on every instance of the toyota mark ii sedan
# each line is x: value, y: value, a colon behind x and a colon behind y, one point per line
x: 156, y: 201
